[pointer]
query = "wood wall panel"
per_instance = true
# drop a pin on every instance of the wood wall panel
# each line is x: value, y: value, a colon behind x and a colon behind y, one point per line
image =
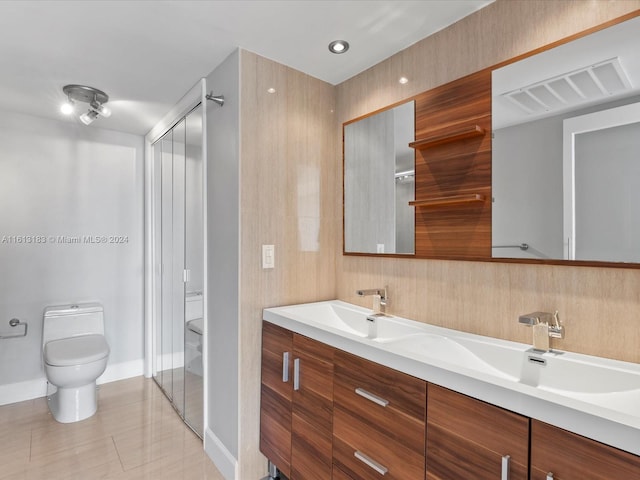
x: 456, y: 167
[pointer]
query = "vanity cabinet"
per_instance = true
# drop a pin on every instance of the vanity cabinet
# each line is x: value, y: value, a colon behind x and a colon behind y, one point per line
x: 468, y: 438
x: 560, y: 455
x: 296, y: 411
x: 379, y: 421
x: 328, y: 414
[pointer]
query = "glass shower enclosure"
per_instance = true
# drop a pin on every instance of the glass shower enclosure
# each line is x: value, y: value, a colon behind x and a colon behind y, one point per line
x: 179, y: 253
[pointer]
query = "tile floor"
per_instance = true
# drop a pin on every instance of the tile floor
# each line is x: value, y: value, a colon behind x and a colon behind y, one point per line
x: 135, y: 434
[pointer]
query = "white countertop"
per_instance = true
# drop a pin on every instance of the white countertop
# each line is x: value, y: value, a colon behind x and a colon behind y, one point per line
x: 610, y: 417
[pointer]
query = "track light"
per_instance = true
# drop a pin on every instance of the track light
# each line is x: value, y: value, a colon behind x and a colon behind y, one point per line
x: 103, y: 110
x: 67, y: 107
x: 94, y: 97
x: 89, y: 117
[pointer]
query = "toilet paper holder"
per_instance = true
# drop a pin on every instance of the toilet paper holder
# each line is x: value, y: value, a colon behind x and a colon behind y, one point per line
x: 14, y: 322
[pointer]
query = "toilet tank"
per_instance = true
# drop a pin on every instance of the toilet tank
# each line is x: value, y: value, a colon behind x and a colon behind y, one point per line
x: 64, y: 321
x: 193, y: 306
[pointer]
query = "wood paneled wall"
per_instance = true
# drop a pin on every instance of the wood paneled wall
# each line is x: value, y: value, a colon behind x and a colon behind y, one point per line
x: 600, y: 306
x: 453, y: 163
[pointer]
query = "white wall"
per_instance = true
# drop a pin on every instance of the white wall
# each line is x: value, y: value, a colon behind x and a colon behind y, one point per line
x: 223, y: 245
x: 65, y: 179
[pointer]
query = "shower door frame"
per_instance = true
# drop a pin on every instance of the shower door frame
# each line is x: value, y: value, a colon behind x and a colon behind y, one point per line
x: 153, y: 279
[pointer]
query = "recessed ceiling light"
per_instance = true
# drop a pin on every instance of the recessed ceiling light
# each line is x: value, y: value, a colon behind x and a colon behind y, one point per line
x: 271, y: 90
x: 403, y: 80
x: 338, y: 46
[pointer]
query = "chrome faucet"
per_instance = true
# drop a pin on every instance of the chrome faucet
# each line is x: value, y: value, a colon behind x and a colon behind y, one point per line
x: 542, y: 329
x: 380, y: 297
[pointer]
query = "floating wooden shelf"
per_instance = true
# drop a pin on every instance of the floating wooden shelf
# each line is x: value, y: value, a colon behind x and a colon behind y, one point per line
x: 451, y: 200
x: 447, y: 135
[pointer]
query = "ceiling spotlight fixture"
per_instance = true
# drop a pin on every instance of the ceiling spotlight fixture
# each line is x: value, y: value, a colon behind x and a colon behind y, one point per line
x: 338, y: 46
x: 271, y: 90
x: 94, y: 97
x: 67, y: 107
x: 403, y: 80
x: 88, y: 117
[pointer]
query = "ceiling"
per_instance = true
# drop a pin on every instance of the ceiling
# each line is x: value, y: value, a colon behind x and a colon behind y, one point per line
x: 147, y: 54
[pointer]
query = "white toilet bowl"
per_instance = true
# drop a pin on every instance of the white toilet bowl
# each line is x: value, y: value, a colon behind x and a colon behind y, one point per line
x: 75, y: 354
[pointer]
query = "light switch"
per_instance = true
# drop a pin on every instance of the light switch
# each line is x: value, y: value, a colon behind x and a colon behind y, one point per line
x: 268, y: 256
x: 380, y: 248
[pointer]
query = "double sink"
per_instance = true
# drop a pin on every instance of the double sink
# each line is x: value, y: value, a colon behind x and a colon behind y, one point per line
x: 562, y: 383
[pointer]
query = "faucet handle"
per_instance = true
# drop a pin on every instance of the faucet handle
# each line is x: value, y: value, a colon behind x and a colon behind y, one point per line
x: 556, y: 330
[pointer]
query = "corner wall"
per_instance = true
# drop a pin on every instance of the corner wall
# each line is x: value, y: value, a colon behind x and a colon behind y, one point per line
x: 598, y: 305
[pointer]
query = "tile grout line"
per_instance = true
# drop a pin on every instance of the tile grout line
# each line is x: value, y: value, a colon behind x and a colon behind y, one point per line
x: 113, y: 440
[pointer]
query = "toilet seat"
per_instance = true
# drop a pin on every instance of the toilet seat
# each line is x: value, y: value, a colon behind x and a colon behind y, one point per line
x: 195, y: 326
x: 77, y: 350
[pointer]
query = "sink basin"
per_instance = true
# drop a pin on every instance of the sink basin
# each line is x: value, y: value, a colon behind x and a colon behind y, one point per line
x: 480, y: 356
x: 352, y: 320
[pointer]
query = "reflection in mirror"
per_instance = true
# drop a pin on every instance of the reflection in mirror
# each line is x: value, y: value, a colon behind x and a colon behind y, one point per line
x: 564, y: 189
x: 379, y: 182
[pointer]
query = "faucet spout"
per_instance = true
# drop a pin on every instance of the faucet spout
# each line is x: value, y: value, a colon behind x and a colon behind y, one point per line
x: 374, y: 291
x: 545, y: 325
x: 380, y: 297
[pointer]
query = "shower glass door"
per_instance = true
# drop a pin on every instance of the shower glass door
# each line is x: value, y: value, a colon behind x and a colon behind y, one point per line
x: 179, y: 250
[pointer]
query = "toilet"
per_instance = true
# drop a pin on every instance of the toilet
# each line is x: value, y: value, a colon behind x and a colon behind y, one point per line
x: 74, y: 353
x: 193, y: 335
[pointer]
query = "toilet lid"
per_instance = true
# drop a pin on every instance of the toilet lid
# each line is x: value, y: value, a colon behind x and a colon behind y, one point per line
x: 75, y: 350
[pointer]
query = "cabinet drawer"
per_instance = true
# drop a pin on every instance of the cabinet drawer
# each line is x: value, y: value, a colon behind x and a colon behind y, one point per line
x: 363, y: 452
x: 402, y: 394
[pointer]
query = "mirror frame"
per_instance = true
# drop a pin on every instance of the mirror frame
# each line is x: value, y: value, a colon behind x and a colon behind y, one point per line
x: 532, y: 261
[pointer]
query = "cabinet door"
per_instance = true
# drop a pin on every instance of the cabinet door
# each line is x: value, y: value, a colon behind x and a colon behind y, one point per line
x: 467, y: 438
x: 276, y: 394
x: 572, y: 457
x: 312, y: 410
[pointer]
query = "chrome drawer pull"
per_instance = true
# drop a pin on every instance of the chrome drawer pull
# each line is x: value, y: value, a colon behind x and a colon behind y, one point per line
x: 506, y: 460
x: 549, y: 476
x: 371, y: 397
x: 285, y: 367
x: 370, y: 463
x: 296, y: 374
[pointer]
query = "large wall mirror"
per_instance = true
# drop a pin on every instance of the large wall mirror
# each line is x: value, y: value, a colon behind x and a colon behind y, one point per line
x: 379, y: 182
x: 566, y: 151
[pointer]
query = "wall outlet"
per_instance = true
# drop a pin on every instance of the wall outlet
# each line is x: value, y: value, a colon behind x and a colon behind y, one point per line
x: 268, y: 256
x: 380, y: 248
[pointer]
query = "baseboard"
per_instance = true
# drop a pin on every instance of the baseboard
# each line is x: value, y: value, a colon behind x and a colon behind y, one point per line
x: 120, y: 371
x: 220, y: 456
x: 36, y: 388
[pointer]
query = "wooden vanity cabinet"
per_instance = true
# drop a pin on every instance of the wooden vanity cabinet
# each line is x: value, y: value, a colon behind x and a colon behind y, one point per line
x: 379, y: 421
x: 467, y: 438
x: 568, y: 456
x: 296, y: 410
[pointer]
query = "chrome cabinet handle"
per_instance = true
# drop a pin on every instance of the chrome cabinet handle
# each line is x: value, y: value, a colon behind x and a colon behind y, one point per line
x: 549, y: 476
x: 370, y: 462
x: 285, y: 367
x: 372, y: 397
x: 506, y: 460
x: 296, y: 374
